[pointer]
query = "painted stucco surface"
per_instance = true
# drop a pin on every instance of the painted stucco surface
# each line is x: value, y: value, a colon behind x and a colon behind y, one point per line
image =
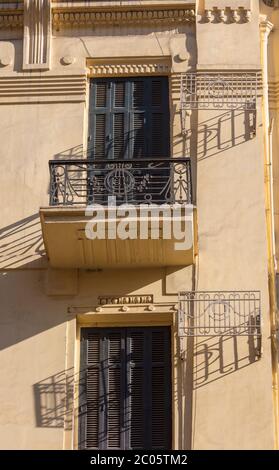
x: 222, y: 393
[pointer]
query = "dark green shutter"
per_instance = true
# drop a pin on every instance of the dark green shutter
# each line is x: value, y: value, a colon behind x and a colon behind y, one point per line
x: 102, y: 383
x: 125, y: 389
x: 129, y: 118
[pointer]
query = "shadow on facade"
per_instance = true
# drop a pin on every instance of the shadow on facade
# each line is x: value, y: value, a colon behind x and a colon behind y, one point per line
x: 215, y: 358
x: 53, y: 398
x: 208, y: 360
x: 21, y: 243
x: 224, y: 132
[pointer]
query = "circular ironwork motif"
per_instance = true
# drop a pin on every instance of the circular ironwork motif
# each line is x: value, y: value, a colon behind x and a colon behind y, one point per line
x: 219, y: 309
x: 119, y: 181
x: 219, y: 89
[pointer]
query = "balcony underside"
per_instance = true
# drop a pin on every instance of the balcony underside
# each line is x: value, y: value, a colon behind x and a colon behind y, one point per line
x: 67, y: 246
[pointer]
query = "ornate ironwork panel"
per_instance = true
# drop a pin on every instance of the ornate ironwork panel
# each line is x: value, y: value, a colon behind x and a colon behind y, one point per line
x: 157, y: 181
x: 220, y: 313
x: 219, y: 90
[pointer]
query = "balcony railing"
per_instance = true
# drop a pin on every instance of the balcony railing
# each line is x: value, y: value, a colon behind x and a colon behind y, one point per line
x: 86, y: 182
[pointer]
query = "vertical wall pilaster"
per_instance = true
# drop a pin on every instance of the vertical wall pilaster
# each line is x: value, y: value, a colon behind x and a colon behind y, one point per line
x: 37, y: 34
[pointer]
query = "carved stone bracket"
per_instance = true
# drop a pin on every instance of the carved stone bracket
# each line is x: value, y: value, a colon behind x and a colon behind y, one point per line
x: 227, y: 15
x: 11, y: 20
x: 37, y: 34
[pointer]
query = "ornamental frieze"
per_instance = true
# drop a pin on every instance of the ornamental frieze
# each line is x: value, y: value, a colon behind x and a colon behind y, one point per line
x: 89, y: 16
x: 123, y: 16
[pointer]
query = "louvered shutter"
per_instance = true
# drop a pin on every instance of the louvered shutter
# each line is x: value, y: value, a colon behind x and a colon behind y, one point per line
x: 160, y: 389
x: 149, y: 120
x: 113, y: 390
x: 89, y: 389
x: 138, y: 119
x: 149, y: 388
x: 102, y: 389
x: 98, y: 118
x: 159, y: 119
x: 129, y: 118
x: 125, y: 389
x: 108, y: 119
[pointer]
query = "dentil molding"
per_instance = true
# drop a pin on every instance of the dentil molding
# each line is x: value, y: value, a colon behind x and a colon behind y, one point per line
x: 30, y: 12
x: 138, y: 66
x: 123, y: 15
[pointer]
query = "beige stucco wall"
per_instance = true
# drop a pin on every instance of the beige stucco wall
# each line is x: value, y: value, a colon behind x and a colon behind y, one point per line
x: 273, y: 78
x: 217, y: 408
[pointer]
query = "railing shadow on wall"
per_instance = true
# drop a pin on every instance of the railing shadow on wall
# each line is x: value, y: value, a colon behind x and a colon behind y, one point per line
x: 206, y: 361
x: 212, y: 362
x: 213, y: 347
x: 53, y: 399
x: 224, y: 132
x: 21, y: 243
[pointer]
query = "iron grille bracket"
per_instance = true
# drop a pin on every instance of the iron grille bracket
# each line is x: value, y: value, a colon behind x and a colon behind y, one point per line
x: 222, y: 313
x: 218, y: 90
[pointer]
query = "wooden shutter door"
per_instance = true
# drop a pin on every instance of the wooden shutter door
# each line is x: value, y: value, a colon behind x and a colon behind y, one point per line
x: 159, y: 118
x: 149, y: 117
x: 89, y: 389
x: 125, y: 388
x: 129, y: 118
x: 102, y: 389
x: 108, y: 119
x: 138, y: 118
x: 99, y: 118
x: 149, y: 388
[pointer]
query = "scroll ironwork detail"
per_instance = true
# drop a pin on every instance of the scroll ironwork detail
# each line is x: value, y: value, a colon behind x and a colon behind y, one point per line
x: 84, y: 182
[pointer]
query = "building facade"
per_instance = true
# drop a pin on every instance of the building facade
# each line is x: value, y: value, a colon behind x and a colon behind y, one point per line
x: 133, y: 341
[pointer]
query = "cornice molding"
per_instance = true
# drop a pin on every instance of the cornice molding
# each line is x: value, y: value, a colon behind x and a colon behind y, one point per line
x: 69, y: 15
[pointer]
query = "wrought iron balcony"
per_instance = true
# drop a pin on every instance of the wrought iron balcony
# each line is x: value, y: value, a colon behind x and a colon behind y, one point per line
x: 84, y: 182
